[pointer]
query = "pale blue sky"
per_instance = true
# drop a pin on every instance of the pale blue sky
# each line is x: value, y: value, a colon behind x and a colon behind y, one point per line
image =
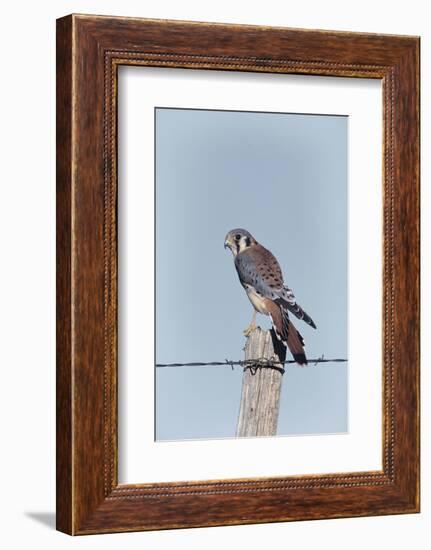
x: 283, y: 177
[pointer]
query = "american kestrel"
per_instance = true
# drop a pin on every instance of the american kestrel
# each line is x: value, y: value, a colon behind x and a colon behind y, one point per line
x: 261, y: 276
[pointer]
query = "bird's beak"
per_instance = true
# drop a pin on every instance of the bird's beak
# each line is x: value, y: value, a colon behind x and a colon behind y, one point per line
x: 226, y: 244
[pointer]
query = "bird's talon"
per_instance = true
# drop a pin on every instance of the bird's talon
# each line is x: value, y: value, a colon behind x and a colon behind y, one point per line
x: 251, y: 328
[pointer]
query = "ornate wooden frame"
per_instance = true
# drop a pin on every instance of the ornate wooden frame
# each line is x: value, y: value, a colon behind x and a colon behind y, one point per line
x: 89, y: 50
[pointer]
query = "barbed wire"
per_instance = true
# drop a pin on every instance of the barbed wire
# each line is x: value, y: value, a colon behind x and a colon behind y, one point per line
x: 255, y: 363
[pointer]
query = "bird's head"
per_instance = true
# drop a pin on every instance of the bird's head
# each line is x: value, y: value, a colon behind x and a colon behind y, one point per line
x: 238, y: 240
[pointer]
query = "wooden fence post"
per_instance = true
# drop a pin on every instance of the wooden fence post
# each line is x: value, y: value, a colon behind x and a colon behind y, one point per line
x: 261, y: 387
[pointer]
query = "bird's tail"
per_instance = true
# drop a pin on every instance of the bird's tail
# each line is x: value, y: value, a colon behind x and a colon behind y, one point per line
x: 288, y: 334
x: 295, y: 343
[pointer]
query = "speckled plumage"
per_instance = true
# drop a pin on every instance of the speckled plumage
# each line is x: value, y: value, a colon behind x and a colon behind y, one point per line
x: 260, y: 274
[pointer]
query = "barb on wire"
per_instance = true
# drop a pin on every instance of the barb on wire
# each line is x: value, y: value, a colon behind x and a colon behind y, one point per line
x: 262, y: 362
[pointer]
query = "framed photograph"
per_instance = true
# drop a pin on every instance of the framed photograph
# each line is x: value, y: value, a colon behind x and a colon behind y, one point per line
x: 208, y: 174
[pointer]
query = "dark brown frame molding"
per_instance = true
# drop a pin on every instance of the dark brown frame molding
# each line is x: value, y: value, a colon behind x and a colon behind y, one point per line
x: 89, y: 51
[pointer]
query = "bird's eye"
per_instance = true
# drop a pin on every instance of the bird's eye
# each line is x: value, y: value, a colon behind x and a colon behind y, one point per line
x: 237, y: 237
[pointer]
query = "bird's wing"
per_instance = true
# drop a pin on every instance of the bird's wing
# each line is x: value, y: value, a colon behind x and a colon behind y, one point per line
x: 258, y: 267
x: 287, y: 298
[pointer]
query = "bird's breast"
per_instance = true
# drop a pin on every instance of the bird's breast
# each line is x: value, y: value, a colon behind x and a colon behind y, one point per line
x: 257, y: 301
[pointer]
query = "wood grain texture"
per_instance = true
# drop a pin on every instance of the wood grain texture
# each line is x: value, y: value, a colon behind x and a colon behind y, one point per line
x: 64, y: 497
x: 90, y: 49
x: 261, y: 387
